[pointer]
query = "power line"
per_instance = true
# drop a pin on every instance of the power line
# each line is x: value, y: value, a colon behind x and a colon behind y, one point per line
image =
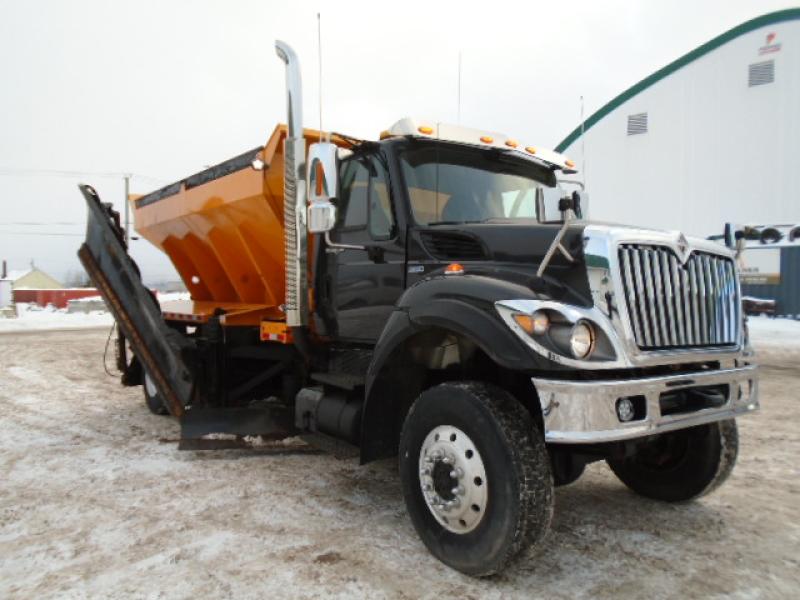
x: 41, y: 223
x: 50, y: 233
x: 13, y: 171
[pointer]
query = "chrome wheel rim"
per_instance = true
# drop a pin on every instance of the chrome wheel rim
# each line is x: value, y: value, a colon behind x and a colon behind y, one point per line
x: 452, y: 478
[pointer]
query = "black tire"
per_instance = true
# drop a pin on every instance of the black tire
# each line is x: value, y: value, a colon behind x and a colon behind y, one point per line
x: 152, y: 398
x: 519, y: 489
x: 681, y: 465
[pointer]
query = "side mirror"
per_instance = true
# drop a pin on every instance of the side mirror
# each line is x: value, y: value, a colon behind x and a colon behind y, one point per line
x: 729, y: 235
x: 322, y: 182
x: 580, y: 203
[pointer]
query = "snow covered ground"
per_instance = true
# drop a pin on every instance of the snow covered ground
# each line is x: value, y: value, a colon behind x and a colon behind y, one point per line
x: 766, y: 332
x: 97, y: 502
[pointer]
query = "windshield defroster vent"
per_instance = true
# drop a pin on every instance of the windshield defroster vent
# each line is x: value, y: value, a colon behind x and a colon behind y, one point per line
x: 448, y: 245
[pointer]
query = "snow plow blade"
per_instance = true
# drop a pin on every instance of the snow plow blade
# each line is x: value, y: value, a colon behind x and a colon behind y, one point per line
x: 159, y: 349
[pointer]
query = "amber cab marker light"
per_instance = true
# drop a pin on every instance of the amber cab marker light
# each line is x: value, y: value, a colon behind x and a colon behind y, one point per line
x: 511, y: 143
x: 569, y: 163
x: 487, y: 139
x: 530, y: 149
x: 454, y: 269
x: 425, y: 129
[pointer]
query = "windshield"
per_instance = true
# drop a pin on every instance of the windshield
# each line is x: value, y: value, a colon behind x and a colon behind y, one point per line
x: 452, y: 184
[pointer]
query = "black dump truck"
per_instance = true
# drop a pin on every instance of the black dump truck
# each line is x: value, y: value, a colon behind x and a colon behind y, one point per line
x: 436, y: 296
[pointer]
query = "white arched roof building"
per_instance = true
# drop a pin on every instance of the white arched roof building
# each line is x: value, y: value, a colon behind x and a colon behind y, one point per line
x: 713, y: 137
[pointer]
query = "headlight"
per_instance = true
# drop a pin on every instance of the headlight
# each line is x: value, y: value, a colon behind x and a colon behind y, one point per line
x: 581, y: 340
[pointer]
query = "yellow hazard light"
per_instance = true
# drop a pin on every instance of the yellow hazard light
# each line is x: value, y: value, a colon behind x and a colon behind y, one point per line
x: 530, y: 149
x: 569, y: 163
x: 487, y: 139
x: 425, y: 129
x: 454, y: 269
x: 512, y: 143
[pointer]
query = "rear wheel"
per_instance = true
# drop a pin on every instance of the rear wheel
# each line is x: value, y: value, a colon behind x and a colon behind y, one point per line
x: 681, y: 465
x: 152, y: 398
x: 476, y: 476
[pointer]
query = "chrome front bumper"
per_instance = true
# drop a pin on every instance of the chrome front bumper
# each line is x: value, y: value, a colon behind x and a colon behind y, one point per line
x: 583, y: 412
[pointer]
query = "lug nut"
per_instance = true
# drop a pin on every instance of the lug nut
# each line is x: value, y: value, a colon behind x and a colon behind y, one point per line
x: 447, y: 460
x: 457, y: 473
x: 458, y: 490
x: 427, y: 487
x: 425, y: 472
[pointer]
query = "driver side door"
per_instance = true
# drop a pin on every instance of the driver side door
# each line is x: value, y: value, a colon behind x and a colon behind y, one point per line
x: 368, y: 277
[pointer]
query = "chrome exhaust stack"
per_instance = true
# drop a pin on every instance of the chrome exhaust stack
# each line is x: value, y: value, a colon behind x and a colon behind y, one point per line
x: 294, y: 194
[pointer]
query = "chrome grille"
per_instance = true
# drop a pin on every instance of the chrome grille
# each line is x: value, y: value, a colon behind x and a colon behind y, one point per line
x: 675, y: 305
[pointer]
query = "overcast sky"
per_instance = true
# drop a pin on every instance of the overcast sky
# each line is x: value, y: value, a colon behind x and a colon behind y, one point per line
x: 161, y: 89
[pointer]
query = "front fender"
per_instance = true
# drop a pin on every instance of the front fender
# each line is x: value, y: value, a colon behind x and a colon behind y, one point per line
x: 463, y: 305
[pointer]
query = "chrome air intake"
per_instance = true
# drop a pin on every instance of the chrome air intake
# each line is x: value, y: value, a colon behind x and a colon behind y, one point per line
x: 294, y: 194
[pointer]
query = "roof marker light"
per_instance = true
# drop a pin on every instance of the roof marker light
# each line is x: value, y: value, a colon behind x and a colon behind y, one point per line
x: 569, y: 163
x: 512, y: 143
x: 425, y: 129
x: 454, y: 269
x: 487, y: 139
x: 530, y: 150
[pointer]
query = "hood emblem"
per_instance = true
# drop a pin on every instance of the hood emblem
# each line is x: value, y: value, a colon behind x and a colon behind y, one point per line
x: 682, y: 246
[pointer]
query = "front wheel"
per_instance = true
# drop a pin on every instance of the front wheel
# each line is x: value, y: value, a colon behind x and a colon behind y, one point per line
x: 476, y: 476
x: 681, y: 465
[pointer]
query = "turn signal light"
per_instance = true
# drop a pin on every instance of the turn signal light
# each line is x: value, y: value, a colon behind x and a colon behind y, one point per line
x: 487, y: 139
x: 425, y: 129
x: 454, y: 269
x: 536, y: 324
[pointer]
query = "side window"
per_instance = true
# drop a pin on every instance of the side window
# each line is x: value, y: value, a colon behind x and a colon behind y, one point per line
x: 520, y: 204
x: 365, y: 209
x: 354, y: 192
x: 381, y: 219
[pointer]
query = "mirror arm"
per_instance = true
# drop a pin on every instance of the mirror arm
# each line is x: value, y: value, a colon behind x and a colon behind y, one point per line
x: 556, y: 245
x: 331, y: 244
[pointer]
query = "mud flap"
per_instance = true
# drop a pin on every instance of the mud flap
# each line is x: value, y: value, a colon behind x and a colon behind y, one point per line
x: 160, y: 349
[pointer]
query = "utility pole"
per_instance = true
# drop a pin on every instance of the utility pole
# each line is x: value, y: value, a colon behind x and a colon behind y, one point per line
x: 127, y: 178
x: 459, y: 88
x: 583, y: 145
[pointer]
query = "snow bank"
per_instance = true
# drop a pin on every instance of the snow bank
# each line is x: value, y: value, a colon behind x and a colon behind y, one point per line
x: 31, y: 317
x: 766, y: 332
